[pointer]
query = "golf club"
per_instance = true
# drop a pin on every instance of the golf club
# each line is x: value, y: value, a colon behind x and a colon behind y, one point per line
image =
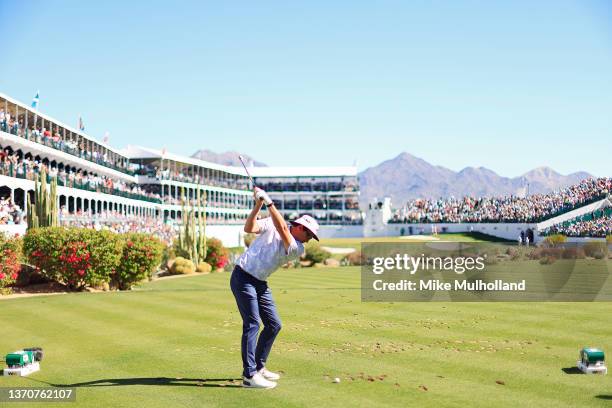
x: 247, y: 170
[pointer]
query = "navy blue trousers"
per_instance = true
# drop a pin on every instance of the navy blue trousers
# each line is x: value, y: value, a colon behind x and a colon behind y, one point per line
x: 255, y: 303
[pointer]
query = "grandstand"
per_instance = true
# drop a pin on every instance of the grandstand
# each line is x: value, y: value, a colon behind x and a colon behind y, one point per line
x: 507, y: 217
x: 141, y: 189
x: 329, y: 194
x: 172, y: 177
x: 595, y: 224
x: 93, y: 178
x: 509, y: 209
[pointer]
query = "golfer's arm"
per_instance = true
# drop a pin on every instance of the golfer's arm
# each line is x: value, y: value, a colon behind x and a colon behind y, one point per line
x: 250, y: 226
x: 280, y: 225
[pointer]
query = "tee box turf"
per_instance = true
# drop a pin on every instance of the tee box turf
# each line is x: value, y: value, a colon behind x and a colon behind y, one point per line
x: 592, y: 361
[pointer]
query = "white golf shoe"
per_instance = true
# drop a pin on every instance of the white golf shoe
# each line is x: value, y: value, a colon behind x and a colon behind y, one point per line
x: 269, y: 375
x: 257, y: 381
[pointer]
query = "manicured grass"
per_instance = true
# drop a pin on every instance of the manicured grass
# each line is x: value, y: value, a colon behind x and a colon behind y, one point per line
x: 462, y: 237
x: 177, y: 343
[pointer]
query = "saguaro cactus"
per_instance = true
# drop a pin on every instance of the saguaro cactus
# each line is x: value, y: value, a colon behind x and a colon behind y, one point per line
x: 192, y: 235
x: 43, y: 212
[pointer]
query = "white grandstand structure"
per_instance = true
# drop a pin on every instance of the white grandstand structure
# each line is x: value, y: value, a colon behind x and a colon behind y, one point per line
x: 99, y: 184
x: 143, y: 189
x: 378, y: 224
x: 329, y: 194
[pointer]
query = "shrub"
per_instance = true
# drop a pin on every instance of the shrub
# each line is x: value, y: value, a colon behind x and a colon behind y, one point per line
x: 573, y: 253
x: 353, y: 259
x: 599, y: 255
x: 593, y: 248
x: 248, y: 239
x: 554, y: 252
x: 314, y: 252
x: 204, y: 267
x: 10, y: 266
x: 75, y: 257
x: 168, y: 255
x: 490, y: 259
x: 555, y: 240
x: 178, y: 251
x: 142, y: 254
x: 534, y: 253
x: 547, y: 260
x: 515, y: 253
x: 216, y: 255
x: 182, y: 266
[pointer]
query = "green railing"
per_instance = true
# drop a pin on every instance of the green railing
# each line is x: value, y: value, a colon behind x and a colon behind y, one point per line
x: 10, y: 171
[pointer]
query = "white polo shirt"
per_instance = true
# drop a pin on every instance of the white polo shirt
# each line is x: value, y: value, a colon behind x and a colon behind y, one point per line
x: 267, y: 252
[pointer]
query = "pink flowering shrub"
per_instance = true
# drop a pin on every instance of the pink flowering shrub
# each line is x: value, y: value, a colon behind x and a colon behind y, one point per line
x: 216, y: 254
x: 142, y: 254
x: 10, y: 266
x: 75, y: 257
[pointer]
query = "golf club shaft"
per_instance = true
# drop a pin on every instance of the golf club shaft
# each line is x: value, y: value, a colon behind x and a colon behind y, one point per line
x: 247, y: 170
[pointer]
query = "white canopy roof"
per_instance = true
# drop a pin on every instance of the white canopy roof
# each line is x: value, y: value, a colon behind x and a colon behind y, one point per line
x: 303, y: 171
x: 139, y: 152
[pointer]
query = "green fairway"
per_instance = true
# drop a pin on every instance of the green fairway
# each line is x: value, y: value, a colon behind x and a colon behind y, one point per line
x: 176, y: 342
x: 461, y: 237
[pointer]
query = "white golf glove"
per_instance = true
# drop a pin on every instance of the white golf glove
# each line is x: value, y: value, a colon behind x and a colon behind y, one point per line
x: 262, y: 195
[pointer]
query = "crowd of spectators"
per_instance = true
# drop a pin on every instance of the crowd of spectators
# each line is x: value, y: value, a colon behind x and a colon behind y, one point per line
x: 533, y: 208
x: 186, y: 176
x: 231, y: 202
x: 14, y: 166
x: 55, y: 140
x: 599, y: 227
x: 10, y: 213
x: 116, y: 222
x: 596, y: 224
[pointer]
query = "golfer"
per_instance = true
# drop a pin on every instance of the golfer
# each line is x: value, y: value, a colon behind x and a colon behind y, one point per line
x: 276, y: 245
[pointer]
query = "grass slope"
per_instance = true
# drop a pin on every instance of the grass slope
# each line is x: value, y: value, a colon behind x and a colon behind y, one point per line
x: 176, y: 343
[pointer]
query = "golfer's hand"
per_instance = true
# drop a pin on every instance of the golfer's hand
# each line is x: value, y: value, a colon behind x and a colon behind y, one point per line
x: 262, y: 195
x: 255, y: 190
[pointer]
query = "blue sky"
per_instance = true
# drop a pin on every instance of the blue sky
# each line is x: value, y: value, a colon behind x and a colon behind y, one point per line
x: 505, y: 85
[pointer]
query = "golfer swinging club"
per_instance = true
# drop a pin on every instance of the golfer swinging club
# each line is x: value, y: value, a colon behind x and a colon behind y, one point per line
x: 276, y: 245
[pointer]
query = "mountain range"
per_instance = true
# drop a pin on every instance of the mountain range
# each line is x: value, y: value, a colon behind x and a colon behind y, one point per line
x: 408, y: 177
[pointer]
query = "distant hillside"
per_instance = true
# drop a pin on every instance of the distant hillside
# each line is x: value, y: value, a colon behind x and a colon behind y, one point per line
x: 226, y: 158
x: 407, y: 177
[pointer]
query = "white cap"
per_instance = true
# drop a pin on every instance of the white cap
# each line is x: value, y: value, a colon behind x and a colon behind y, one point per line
x: 310, y: 223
